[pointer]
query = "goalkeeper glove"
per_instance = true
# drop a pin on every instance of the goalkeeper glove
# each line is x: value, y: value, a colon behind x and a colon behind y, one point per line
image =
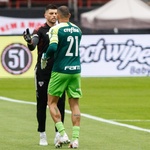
x: 43, y: 61
x: 27, y: 36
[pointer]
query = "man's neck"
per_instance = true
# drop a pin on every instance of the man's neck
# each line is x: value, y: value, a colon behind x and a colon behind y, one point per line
x: 50, y: 24
x: 63, y: 20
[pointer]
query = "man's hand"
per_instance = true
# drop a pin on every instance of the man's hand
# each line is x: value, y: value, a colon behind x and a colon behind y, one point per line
x: 43, y: 61
x: 27, y: 36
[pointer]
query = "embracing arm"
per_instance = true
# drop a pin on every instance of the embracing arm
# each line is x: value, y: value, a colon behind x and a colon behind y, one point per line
x: 51, y: 49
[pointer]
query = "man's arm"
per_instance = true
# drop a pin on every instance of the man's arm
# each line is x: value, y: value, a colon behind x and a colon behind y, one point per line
x: 53, y: 36
x: 51, y: 49
x: 34, y: 42
x: 31, y: 41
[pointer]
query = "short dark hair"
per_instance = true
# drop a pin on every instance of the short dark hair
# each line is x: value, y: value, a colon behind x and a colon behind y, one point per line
x: 64, y: 11
x: 50, y: 6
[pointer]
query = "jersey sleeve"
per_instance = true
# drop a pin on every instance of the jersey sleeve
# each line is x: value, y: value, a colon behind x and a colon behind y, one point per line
x: 35, y: 40
x: 53, y: 35
x: 50, y: 50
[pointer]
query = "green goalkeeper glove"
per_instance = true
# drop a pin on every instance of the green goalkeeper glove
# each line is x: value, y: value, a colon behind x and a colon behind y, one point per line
x: 43, y: 61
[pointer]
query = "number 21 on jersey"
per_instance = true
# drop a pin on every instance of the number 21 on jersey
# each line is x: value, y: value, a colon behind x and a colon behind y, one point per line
x: 72, y: 40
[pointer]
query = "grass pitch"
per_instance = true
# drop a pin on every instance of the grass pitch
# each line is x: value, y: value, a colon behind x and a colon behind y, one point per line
x: 125, y: 100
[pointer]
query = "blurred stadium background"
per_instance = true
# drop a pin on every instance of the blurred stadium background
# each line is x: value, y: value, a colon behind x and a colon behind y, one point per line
x: 34, y: 9
x: 117, y: 44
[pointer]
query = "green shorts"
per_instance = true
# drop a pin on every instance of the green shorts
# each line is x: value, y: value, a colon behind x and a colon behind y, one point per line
x: 60, y: 82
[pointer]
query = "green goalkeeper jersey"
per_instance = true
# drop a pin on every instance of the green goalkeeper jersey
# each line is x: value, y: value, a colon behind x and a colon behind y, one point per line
x: 64, y: 43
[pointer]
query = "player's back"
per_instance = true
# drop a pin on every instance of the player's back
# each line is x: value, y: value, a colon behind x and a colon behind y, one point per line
x: 67, y: 56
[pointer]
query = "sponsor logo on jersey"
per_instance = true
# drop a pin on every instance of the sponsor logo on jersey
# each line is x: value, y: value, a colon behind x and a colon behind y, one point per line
x: 40, y: 83
x: 72, y: 67
x: 71, y: 30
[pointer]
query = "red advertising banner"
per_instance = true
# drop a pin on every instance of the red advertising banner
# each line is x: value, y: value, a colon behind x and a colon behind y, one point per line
x: 13, y: 26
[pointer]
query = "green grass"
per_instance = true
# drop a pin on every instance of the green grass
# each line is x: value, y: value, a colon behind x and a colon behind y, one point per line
x: 110, y: 98
x: 117, y: 98
x: 18, y: 132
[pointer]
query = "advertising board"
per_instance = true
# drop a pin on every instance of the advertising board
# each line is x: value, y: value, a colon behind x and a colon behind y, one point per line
x: 101, y: 56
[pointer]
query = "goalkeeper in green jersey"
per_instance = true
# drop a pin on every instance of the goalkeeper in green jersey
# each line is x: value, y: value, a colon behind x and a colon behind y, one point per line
x: 64, y: 43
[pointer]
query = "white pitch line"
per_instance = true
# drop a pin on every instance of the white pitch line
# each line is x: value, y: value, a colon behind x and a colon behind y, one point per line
x: 84, y: 115
x: 127, y: 120
x: 16, y: 101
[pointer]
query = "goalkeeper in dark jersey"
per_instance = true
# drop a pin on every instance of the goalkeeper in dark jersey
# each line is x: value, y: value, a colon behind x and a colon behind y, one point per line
x: 41, y: 40
x: 64, y: 43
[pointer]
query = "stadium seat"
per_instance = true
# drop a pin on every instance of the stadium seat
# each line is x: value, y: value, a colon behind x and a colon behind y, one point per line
x: 96, y: 2
x: 4, y: 3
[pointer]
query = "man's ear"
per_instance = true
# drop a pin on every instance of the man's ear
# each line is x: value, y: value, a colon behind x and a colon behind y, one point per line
x: 58, y: 16
x: 69, y: 15
x: 45, y: 15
